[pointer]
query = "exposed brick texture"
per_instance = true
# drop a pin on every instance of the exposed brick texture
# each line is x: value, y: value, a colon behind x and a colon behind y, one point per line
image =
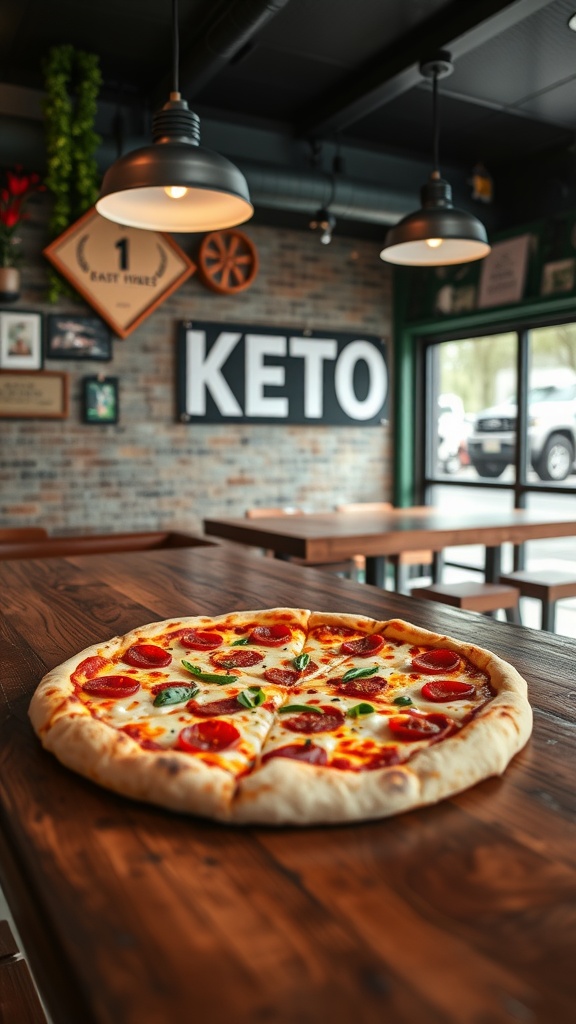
x: 151, y: 472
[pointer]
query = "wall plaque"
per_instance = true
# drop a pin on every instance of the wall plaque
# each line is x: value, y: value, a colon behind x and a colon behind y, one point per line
x: 503, y: 273
x: 41, y: 395
x: 123, y: 273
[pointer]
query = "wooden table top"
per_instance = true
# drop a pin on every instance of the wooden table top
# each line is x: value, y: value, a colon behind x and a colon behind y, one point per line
x: 460, y: 912
x: 330, y: 536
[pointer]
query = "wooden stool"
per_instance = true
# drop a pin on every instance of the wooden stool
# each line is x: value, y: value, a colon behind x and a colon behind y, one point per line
x: 547, y: 586
x: 474, y: 597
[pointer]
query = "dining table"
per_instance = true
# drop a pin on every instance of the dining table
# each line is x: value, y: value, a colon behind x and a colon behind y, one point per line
x: 463, y: 912
x: 336, y: 536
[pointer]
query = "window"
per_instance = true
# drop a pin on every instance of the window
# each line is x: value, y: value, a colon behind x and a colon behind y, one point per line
x: 472, y: 408
x: 500, y: 431
x: 483, y: 427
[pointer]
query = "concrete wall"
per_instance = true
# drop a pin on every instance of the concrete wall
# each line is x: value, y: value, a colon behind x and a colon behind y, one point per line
x: 150, y: 471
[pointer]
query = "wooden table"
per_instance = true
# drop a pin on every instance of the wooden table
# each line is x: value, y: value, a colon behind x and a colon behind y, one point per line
x: 461, y: 912
x: 335, y: 536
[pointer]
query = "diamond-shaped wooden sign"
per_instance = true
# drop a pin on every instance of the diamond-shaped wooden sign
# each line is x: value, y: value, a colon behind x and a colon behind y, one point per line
x: 123, y: 273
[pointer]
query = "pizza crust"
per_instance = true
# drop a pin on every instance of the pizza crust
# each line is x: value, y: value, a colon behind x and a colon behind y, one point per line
x: 284, y: 790
x: 114, y: 760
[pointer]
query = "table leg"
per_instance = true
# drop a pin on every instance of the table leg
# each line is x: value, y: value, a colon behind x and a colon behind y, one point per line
x: 376, y: 571
x: 437, y: 566
x: 493, y: 564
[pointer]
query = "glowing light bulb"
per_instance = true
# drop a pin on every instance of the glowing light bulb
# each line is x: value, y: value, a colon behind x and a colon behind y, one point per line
x: 175, y: 191
x: 434, y: 243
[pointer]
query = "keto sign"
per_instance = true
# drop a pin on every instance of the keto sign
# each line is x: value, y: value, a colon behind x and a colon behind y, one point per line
x: 243, y: 374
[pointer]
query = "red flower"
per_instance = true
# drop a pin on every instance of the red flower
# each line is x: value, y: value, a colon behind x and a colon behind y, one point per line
x: 13, y: 195
x: 20, y: 184
x: 10, y: 216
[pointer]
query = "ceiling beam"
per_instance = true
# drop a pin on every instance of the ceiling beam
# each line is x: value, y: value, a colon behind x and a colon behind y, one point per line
x: 458, y: 26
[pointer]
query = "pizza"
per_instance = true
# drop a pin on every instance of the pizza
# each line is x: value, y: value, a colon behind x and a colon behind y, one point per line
x: 284, y: 716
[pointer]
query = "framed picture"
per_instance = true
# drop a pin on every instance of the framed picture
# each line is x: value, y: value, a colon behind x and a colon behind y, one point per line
x: 35, y: 395
x: 20, y: 340
x: 100, y: 399
x: 123, y: 273
x: 77, y: 337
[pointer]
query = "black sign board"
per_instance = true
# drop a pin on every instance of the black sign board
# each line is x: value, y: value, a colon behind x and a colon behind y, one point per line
x: 236, y: 373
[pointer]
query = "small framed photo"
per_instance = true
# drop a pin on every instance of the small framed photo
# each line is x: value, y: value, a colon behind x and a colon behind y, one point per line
x: 100, y: 399
x: 77, y: 337
x: 20, y: 340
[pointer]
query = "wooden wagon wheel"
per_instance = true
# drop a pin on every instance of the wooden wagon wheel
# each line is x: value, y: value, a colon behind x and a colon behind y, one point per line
x: 227, y: 261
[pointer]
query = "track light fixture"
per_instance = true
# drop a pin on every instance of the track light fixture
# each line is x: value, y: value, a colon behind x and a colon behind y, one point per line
x: 175, y: 184
x: 326, y: 222
x: 438, y: 234
x: 323, y: 219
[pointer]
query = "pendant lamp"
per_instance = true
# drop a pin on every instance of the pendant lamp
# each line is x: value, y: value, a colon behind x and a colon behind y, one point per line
x: 438, y: 234
x: 175, y: 184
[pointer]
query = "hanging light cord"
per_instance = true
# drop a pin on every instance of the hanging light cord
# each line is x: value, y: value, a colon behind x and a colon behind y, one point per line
x: 175, y: 47
x: 435, y: 120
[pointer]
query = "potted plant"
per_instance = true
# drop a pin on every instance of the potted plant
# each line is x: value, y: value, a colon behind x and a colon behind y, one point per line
x: 17, y: 189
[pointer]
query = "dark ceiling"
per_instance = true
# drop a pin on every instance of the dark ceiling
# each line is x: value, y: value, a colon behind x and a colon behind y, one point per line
x: 287, y: 84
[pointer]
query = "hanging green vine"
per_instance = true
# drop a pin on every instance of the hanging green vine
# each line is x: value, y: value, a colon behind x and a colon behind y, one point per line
x: 72, y: 81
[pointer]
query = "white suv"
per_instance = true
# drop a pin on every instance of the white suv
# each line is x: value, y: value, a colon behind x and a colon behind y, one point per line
x: 551, y: 434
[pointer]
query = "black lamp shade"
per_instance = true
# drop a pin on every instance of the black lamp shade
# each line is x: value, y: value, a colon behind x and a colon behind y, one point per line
x: 210, y: 193
x: 438, y: 234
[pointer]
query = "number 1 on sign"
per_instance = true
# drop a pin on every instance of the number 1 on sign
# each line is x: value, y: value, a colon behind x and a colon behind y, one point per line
x: 122, y: 246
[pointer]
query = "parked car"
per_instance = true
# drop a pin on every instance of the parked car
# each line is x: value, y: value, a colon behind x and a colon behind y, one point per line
x: 452, y: 430
x: 551, y: 434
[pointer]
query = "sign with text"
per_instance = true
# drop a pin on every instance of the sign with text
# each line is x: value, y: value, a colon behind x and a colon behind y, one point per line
x: 503, y: 273
x: 123, y: 273
x: 242, y: 374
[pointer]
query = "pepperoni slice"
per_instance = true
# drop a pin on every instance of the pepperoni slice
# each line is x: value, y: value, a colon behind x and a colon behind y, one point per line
x: 198, y: 640
x: 88, y: 668
x: 299, y: 752
x: 363, y: 647
x: 311, y: 721
x: 439, y: 660
x: 236, y: 659
x: 447, y: 689
x: 420, y: 727
x: 271, y: 636
x: 371, y: 687
x: 383, y: 759
x: 207, y: 736
x: 226, y: 706
x: 282, y: 676
x: 147, y: 656
x: 324, y: 633
x: 289, y: 676
x: 111, y: 686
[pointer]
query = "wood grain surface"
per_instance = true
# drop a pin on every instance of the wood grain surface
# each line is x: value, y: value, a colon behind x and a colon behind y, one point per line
x: 335, y: 535
x: 461, y: 912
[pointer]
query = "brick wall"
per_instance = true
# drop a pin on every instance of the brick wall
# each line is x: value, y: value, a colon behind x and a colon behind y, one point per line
x: 149, y: 471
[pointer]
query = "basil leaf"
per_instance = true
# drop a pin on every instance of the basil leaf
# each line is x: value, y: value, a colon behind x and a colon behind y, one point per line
x: 301, y: 662
x: 300, y: 707
x: 360, y: 709
x: 174, y: 695
x: 359, y: 673
x: 241, y: 643
x: 208, y: 677
x: 253, y: 697
x: 403, y: 702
